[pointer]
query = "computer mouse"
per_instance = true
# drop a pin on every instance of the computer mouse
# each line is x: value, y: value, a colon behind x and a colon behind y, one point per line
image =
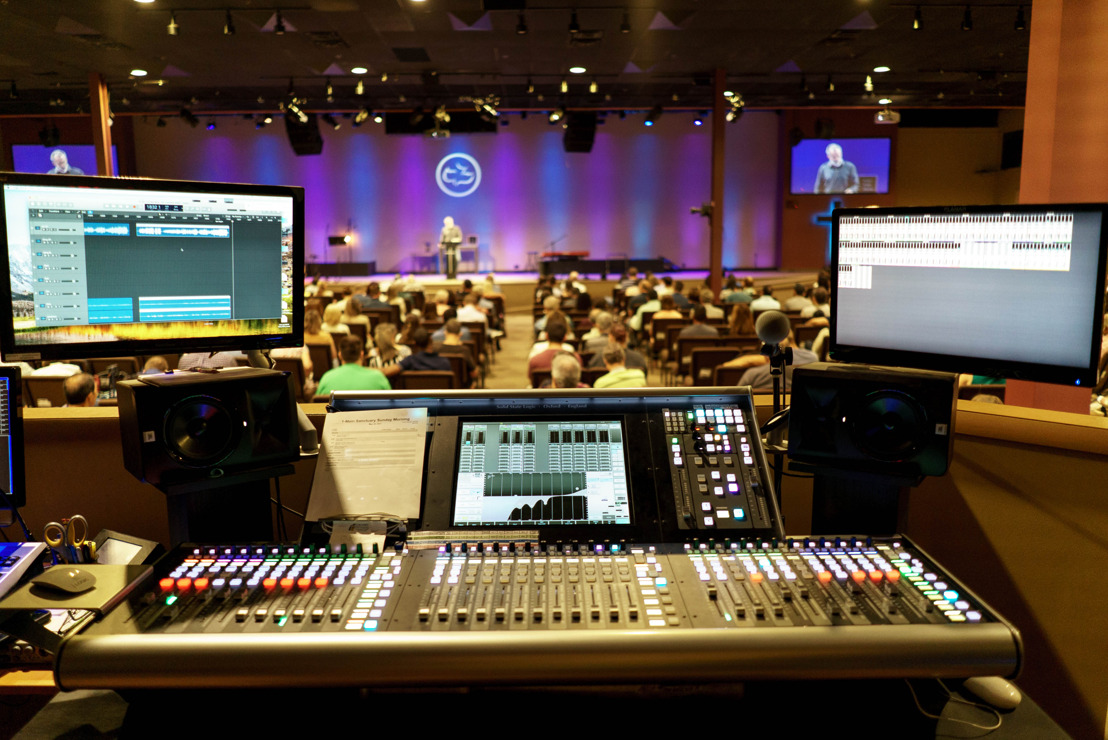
x: 994, y: 691
x: 65, y: 579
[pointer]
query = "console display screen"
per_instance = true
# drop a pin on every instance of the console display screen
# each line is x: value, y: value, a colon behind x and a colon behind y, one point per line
x: 541, y: 473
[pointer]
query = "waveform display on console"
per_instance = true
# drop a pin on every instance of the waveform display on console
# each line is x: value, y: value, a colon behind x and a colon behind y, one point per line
x: 519, y: 471
x: 219, y: 232
x: 107, y: 229
x: 557, y: 509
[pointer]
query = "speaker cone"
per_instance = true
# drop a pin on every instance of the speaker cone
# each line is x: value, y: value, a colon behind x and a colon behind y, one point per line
x: 200, y: 431
x: 889, y: 425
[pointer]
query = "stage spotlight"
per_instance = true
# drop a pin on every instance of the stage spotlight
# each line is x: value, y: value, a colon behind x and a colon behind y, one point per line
x: 228, y: 25
x: 565, y: 85
x: 331, y: 121
x: 967, y: 19
x: 172, y: 29
x: 625, y: 24
x: 189, y: 118
x: 917, y: 19
x: 699, y: 120
x: 361, y: 116
x: 211, y: 124
x: 653, y: 115
x: 279, y: 25
x: 530, y: 86
x: 13, y: 91
x: 359, y: 89
x: 417, y: 116
x: 378, y: 117
x: 521, y: 27
x: 1021, y: 22
x: 574, y: 26
x: 593, y: 87
x: 557, y: 115
x: 330, y: 91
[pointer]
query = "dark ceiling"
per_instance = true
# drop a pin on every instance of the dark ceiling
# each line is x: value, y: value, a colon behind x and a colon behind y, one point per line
x: 777, y: 53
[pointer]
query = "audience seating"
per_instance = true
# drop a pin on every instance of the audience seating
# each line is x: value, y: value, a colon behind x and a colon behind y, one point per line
x: 321, y: 360
x: 727, y: 376
x: 295, y: 368
x: 126, y: 365
x: 704, y: 361
x: 43, y: 390
x: 390, y: 315
x: 360, y: 331
x: 461, y: 372
x: 419, y: 380
x: 805, y: 335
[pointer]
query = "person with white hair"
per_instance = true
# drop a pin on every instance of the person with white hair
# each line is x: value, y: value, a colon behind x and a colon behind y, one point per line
x: 450, y: 239
x: 836, y: 175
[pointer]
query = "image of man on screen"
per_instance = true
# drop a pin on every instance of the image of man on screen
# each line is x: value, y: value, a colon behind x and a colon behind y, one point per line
x: 61, y: 164
x: 836, y: 175
x: 449, y: 241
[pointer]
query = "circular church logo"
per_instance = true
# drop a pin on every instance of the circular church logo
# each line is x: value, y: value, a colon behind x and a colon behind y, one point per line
x: 458, y: 175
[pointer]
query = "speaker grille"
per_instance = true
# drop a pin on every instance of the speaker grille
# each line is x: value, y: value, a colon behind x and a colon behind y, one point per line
x: 200, y: 431
x: 890, y: 425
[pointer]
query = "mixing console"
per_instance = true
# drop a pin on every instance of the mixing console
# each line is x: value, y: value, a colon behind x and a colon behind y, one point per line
x: 724, y: 610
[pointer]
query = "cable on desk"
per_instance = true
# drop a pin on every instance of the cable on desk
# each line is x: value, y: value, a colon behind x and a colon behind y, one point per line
x: 951, y: 697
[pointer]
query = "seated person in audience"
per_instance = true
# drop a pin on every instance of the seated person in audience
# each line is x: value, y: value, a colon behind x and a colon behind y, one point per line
x: 211, y: 360
x: 650, y: 305
x: 352, y: 314
x: 439, y: 335
x: 619, y: 375
x: 332, y: 320
x: 698, y: 328
x: 599, y: 340
x: 758, y: 374
x: 742, y: 295
x: 407, y: 333
x: 730, y: 285
x: 372, y: 298
x: 618, y: 335
x: 305, y: 357
x: 797, y: 301
x: 393, y: 298
x: 707, y: 299
x: 630, y: 279
x: 742, y: 320
x: 766, y: 301
x: 352, y: 375
x: 642, y: 295
x: 57, y: 370
x: 314, y: 334
x: 387, y: 352
x: 558, y: 318
x: 550, y: 304
x: 487, y: 306
x: 565, y: 372
x: 425, y: 357
x: 667, y: 309
x: 452, y: 345
x: 820, y: 303
x: 555, y: 343
x: 411, y: 285
x: 679, y: 296
x: 592, y: 332
x: 442, y: 302
x: 469, y: 311
x: 155, y: 365
x: 574, y: 279
x: 491, y: 288
x: 80, y: 390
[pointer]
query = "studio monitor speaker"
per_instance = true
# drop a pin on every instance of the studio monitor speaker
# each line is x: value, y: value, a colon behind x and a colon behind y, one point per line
x: 185, y: 427
x: 874, y: 420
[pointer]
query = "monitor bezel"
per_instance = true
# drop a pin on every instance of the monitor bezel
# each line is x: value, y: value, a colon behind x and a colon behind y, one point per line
x: 16, y: 499
x: 1085, y: 376
x: 162, y: 345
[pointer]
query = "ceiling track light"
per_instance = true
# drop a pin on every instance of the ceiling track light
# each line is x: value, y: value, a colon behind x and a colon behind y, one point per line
x: 530, y: 86
x: 653, y: 115
x: 625, y: 24
x: 361, y: 116
x: 331, y: 121
x: 967, y: 19
x: 211, y: 124
x: 556, y: 115
x: 359, y: 89
x: 330, y: 91
x: 869, y: 84
x: 593, y: 87
x: 917, y: 19
x: 565, y: 85
x: 830, y: 84
x: 378, y: 117
x: 13, y: 91
x: 279, y: 25
x: 574, y: 26
x: 172, y: 29
x: 521, y: 26
x: 384, y: 77
x: 228, y: 25
x: 1021, y: 21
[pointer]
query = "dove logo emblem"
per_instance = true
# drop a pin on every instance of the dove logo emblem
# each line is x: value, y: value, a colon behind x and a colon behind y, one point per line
x: 458, y: 175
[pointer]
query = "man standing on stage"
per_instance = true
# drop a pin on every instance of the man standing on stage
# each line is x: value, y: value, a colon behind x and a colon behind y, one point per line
x: 449, y: 241
x: 836, y: 175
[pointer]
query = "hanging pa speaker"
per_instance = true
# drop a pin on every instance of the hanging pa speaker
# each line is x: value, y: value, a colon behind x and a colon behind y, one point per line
x: 304, y: 137
x: 874, y: 420
x: 184, y: 427
x: 580, y: 131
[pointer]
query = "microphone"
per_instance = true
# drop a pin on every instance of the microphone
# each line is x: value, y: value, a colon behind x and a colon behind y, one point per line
x: 772, y: 327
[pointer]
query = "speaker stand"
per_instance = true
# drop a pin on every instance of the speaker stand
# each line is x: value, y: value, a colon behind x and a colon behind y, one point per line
x: 870, y: 505
x: 232, y: 509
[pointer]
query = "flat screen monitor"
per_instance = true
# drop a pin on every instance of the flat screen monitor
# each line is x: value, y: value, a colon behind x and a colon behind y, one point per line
x: 81, y: 158
x: 837, y: 166
x: 113, y: 267
x: 1000, y: 291
x: 13, y: 492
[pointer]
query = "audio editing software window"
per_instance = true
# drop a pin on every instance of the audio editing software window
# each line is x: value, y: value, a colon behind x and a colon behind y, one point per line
x: 532, y: 473
x: 7, y: 440
x: 97, y: 257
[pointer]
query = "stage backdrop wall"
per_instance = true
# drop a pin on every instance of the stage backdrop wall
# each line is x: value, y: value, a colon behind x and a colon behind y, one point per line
x: 630, y: 196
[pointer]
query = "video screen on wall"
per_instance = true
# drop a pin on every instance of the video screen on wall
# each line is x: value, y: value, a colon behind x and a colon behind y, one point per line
x: 79, y: 159
x: 840, y: 166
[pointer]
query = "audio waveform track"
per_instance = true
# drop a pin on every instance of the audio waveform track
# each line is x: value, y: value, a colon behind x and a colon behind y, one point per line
x: 534, y: 484
x: 561, y: 508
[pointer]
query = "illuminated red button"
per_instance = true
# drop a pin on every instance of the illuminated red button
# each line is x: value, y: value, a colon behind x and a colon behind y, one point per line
x: 166, y: 584
x: 824, y: 576
x: 892, y: 575
x: 269, y: 584
x: 287, y: 583
x: 303, y: 583
x: 756, y: 577
x: 321, y: 582
x: 200, y: 584
x: 859, y: 576
x: 875, y: 576
x: 184, y: 584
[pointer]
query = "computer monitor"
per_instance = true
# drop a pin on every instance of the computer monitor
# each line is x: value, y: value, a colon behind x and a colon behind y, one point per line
x: 1000, y: 291
x: 113, y: 267
x: 13, y: 490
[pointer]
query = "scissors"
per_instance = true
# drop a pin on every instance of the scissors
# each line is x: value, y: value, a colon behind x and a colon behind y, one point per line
x: 64, y: 540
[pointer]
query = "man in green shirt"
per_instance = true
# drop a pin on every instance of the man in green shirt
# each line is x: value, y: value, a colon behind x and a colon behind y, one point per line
x: 352, y: 375
x: 619, y: 375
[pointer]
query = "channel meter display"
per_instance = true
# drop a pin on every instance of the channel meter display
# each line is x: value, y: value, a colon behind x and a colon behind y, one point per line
x: 541, y: 473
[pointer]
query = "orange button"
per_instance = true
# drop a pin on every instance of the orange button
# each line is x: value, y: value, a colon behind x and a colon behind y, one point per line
x: 287, y: 583
x: 756, y: 577
x: 269, y: 584
x: 824, y: 576
x: 859, y: 576
x: 321, y: 582
x: 166, y: 584
x: 183, y: 584
x: 892, y: 575
x: 200, y: 584
x: 303, y: 582
x: 875, y: 576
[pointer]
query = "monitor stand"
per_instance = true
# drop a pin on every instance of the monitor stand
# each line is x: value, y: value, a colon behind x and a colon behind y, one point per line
x: 232, y: 509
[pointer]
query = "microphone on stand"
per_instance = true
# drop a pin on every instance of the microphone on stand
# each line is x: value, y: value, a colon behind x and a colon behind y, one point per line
x: 772, y: 327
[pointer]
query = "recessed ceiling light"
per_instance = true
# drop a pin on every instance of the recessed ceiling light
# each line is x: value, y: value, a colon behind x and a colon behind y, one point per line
x: 358, y: 70
x: 138, y: 72
x: 885, y: 101
x: 144, y: 1
x: 577, y: 70
x: 880, y: 69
